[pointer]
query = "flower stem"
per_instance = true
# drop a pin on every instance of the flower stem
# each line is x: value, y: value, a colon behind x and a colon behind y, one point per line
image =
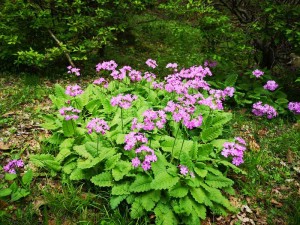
x: 181, y: 148
x: 175, y: 142
x: 122, y: 120
x: 98, y: 137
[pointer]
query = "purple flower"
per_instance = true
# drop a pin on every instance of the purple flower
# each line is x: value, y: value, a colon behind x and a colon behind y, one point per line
x: 73, y: 70
x: 69, y: 113
x: 183, y: 170
x: 235, y: 149
x: 149, y: 156
x: 135, y: 75
x: 123, y: 101
x: 294, y: 107
x: 133, y: 138
x: 97, y: 125
x: 151, y: 63
x: 108, y: 65
x: 101, y: 81
x: 73, y: 90
x: 271, y: 85
x: 135, y: 162
x: 260, y: 110
x: 172, y: 65
x: 257, y: 73
x: 11, y: 166
x: 149, y: 76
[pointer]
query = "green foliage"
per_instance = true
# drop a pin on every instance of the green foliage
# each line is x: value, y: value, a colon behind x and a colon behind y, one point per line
x: 16, y: 186
x: 35, y: 33
x: 101, y: 160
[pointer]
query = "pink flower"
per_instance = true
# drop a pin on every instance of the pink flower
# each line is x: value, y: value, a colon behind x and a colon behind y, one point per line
x: 151, y: 63
x: 101, y: 81
x: 69, y: 113
x: 123, y: 101
x: 73, y: 90
x: 73, y: 70
x: 97, y: 125
x: 257, y: 73
x: 271, y: 85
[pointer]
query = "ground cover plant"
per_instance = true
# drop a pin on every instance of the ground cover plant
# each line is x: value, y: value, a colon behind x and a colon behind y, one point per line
x: 156, y: 144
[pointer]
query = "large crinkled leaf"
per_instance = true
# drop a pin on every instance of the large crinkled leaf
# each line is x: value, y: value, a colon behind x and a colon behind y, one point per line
x: 141, y: 184
x: 211, y: 133
x: 163, y: 180
x: 103, y: 179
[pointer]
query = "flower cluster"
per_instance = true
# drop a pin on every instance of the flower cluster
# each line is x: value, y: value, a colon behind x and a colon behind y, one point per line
x: 133, y: 138
x: 151, y: 63
x: 294, y: 107
x: 73, y: 90
x: 109, y: 65
x: 135, y: 75
x: 97, y: 125
x: 235, y: 149
x: 149, y: 157
x: 257, y: 73
x: 73, y: 70
x: 184, y: 113
x: 185, y: 171
x: 12, y: 165
x: 102, y: 81
x: 123, y: 101
x: 149, y: 76
x: 152, y: 119
x: 260, y: 110
x: 271, y: 85
x: 69, y: 113
x: 172, y: 65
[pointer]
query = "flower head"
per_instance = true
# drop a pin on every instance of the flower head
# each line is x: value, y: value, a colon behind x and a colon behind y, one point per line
x: 123, y: 101
x: 257, y: 73
x: 73, y: 70
x: 69, y: 113
x: 294, y: 107
x: 97, y: 125
x: 151, y: 63
x: 73, y: 90
x: 260, y: 110
x: 271, y: 85
x: 102, y: 81
x: 235, y: 149
x: 11, y: 166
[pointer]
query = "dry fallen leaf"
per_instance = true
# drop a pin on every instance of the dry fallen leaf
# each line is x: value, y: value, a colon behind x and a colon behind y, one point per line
x: 290, y: 156
x: 253, y: 145
x: 4, y: 146
x: 277, y: 204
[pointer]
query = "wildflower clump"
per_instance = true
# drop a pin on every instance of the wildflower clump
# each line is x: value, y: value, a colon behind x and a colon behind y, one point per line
x: 11, y: 166
x: 69, y: 113
x: 271, y: 85
x: 261, y: 110
x: 123, y: 101
x: 73, y: 90
x: 98, y: 126
x: 74, y: 70
x: 294, y: 107
x: 235, y: 149
x: 257, y: 73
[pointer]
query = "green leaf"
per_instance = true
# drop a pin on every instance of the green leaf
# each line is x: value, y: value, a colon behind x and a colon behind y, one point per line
x: 93, y: 105
x: 10, y: 176
x: 198, y: 194
x: 221, y: 118
x: 116, y: 200
x: 121, y: 169
x: 68, y: 168
x: 230, y: 80
x: 49, y: 126
x: 205, y: 149
x: 120, y: 189
x: 120, y: 139
x: 164, y: 215
x: 178, y: 191
x: 20, y: 193
x: 141, y: 183
x: 60, y: 92
x: 149, y: 199
x: 103, y: 179
x: 208, y: 134
x: 112, y: 161
x: 63, y: 153
x: 137, y: 210
x: 200, y: 172
x: 5, y: 192
x: 68, y: 127
x: 218, y: 181
x: 45, y: 160
x: 164, y: 180
x: 27, y: 177
x: 77, y: 174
